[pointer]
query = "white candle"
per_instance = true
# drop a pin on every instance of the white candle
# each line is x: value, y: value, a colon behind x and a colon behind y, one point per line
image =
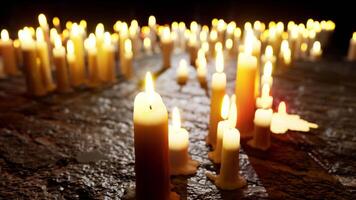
x: 127, y: 64
x: 182, y: 72
x: 167, y: 47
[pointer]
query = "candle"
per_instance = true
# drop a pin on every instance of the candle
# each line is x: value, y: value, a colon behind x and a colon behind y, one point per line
x: 42, y: 53
x: 351, y: 56
x: 315, y: 51
x: 180, y: 161
x: 76, y: 37
x: 285, y: 55
x: 127, y: 67
x: 93, y: 67
x: 262, y: 136
x: 42, y: 20
x: 245, y: 90
x: 147, y: 46
x: 166, y: 46
x: 109, y: 65
x: 32, y: 69
x: 229, y: 177
x: 213, y: 37
x: 265, y: 101
x: 8, y: 54
x: 134, y: 31
x: 59, y: 60
x: 268, y: 56
x: 218, y: 87
x: 150, y: 119
x: 153, y: 31
x: 77, y: 76
x: 17, y: 48
x: 228, y: 46
x: 267, y: 74
x: 193, y: 48
x: 56, y: 23
x: 215, y: 155
x: 201, y: 68
x: 182, y: 72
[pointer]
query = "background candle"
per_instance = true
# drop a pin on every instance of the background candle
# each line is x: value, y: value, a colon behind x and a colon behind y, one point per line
x: 151, y: 145
x: 315, y: 51
x: 201, y: 68
x: 59, y: 60
x: 93, y: 67
x: 193, y: 48
x: 245, y: 90
x: 218, y: 87
x: 43, y: 55
x: 265, y: 101
x: 180, y: 161
x: 182, y: 72
x: 262, y: 136
x: 109, y: 66
x: 267, y: 74
x: 351, y: 56
x: 8, y: 54
x: 167, y: 47
x: 78, y: 42
x: 127, y: 67
x: 77, y: 77
x: 147, y: 46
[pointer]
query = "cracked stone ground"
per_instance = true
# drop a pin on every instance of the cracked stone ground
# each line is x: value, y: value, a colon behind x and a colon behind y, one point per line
x: 80, y: 145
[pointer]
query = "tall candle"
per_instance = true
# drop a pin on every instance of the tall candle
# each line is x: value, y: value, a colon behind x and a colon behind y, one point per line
x: 59, y: 60
x: 77, y: 76
x: 201, y: 67
x: 33, y: 71
x: 8, y: 54
x: 267, y: 74
x: 182, y: 72
x: 42, y: 53
x: 127, y: 67
x: 180, y: 161
x: 109, y: 65
x: 218, y: 87
x: 167, y: 47
x: 193, y: 48
x: 93, y: 67
x: 315, y: 51
x: 351, y: 56
x: 56, y: 23
x: 78, y: 42
x: 151, y: 145
x: 245, y: 90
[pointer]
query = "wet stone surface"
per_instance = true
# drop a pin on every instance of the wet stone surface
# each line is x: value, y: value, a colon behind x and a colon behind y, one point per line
x: 80, y: 145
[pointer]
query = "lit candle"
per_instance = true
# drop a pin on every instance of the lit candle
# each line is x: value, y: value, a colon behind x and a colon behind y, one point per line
x: 193, y: 48
x: 109, y: 66
x: 229, y: 177
x: 213, y: 37
x: 180, y: 161
x: 166, y: 46
x: 153, y: 31
x: 150, y: 119
x: 32, y: 70
x: 147, y: 46
x: 267, y: 74
x: 218, y: 87
x: 315, y: 51
x: 245, y: 90
x: 127, y: 67
x: 182, y: 72
x: 285, y: 55
x: 215, y: 155
x: 77, y: 77
x: 93, y: 67
x: 134, y: 31
x: 201, y: 68
x: 8, y: 54
x: 56, y: 23
x: 268, y: 56
x: 351, y: 56
x: 42, y: 53
x: 265, y: 101
x: 59, y: 60
x: 42, y: 20
x: 262, y: 136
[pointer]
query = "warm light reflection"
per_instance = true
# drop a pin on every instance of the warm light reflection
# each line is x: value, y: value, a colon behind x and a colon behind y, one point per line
x: 225, y: 106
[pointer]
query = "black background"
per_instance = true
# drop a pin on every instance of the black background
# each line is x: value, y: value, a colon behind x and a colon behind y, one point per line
x: 18, y: 13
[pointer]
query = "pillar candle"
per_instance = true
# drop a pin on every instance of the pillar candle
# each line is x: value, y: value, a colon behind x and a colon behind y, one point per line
x: 213, y: 38
x: 93, y: 67
x: 267, y: 74
x: 218, y: 87
x: 262, y: 136
x: 153, y: 31
x: 201, y: 68
x: 150, y: 120
x: 127, y: 67
x: 78, y: 42
x: 229, y: 177
x: 351, y: 56
x: 147, y: 46
x: 8, y: 54
x: 245, y: 91
x: 193, y: 48
x: 167, y: 47
x: 182, y: 72
x: 109, y: 65
x: 43, y: 55
x: 134, y: 32
x: 44, y: 26
x: 32, y: 69
x: 59, y: 60
x: 77, y: 76
x: 180, y: 161
x: 315, y: 51
x: 17, y: 48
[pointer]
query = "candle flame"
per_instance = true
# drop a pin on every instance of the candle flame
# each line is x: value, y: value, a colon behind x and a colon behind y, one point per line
x: 249, y: 40
x: 219, y: 62
x: 149, y: 83
x: 267, y: 70
x: 228, y: 44
x: 42, y: 20
x: 99, y: 29
x: 304, y: 47
x: 83, y: 24
x: 147, y: 43
x: 4, y: 35
x: 282, y: 108
x: 181, y: 25
x: 70, y: 47
x: 75, y: 29
x: 233, y: 111
x: 176, y: 121
x: 316, y: 46
x: 91, y: 42
x: 56, y: 21
x: 194, y: 26
x: 151, y: 20
x: 16, y: 43
x: 39, y: 35
x: 284, y: 45
x: 224, y: 112
x: 128, y: 46
x: 237, y: 33
x: 107, y: 38
x: 354, y: 36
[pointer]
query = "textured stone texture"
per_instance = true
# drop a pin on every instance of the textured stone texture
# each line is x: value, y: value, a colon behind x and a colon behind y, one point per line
x: 80, y: 146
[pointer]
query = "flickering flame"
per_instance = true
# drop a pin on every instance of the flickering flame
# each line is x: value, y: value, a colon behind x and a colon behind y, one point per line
x: 225, y: 107
x: 39, y: 35
x: 213, y: 35
x: 219, y: 62
x: 175, y: 25
x: 5, y: 35
x: 265, y: 91
x: 151, y: 20
x: 228, y: 44
x: 56, y: 21
x: 57, y: 42
x: 271, y: 24
x: 221, y: 25
x: 290, y: 25
x: 330, y: 25
x: 233, y: 111
x: 181, y: 25
x: 194, y: 26
x: 70, y: 47
x: 248, y: 26
x: 304, y: 47
x: 69, y: 25
x: 176, y: 121
x: 128, y: 46
x: 42, y: 20
x: 149, y: 83
x: 269, y: 51
x: 280, y: 26
x: 214, y: 22
x: 83, y: 24
x: 267, y: 70
x: 282, y: 108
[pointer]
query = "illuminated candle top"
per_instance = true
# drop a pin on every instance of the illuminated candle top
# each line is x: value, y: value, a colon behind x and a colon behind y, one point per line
x: 58, y: 42
x: 224, y: 113
x: 151, y: 21
x: 166, y: 35
x: 213, y: 35
x: 39, y: 35
x: 228, y: 44
x: 219, y: 62
x: 99, y: 30
x: 5, y: 35
x: 128, y: 47
x: 42, y: 20
x: 269, y: 51
x: 56, y: 22
x: 267, y: 70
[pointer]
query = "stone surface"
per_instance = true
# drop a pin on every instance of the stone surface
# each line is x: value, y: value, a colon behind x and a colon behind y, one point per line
x: 80, y: 145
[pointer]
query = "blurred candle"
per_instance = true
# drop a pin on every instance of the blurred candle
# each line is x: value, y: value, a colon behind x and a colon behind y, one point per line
x: 93, y: 67
x: 201, y: 68
x: 42, y: 53
x: 218, y: 87
x: 262, y: 136
x: 245, y: 90
x: 8, y: 54
x: 59, y: 60
x: 77, y: 76
x: 167, y: 47
x: 213, y: 38
x: 267, y: 74
x: 265, y: 101
x: 147, y: 46
x: 193, y: 48
x: 56, y: 23
x: 127, y: 67
x: 77, y: 38
x: 268, y: 56
x: 180, y: 161
x: 150, y: 120
x: 351, y: 56
x: 315, y: 51
x: 182, y: 72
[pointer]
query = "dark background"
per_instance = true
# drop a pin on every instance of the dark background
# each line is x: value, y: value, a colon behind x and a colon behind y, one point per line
x: 18, y: 13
